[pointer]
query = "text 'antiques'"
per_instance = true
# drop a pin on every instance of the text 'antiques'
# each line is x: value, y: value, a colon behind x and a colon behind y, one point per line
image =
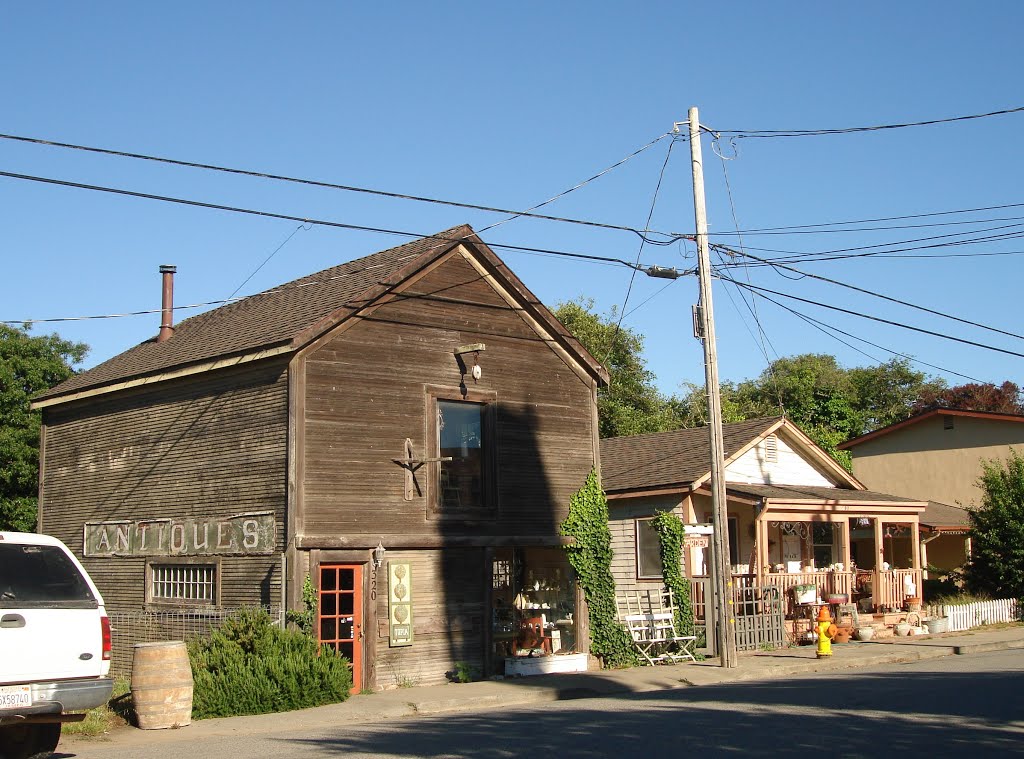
x: 240, y: 534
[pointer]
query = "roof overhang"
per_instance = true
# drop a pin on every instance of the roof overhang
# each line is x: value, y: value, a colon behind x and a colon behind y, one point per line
x: 150, y: 379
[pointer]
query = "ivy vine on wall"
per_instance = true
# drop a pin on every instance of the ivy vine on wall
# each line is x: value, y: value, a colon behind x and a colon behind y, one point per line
x: 590, y: 555
x: 670, y: 531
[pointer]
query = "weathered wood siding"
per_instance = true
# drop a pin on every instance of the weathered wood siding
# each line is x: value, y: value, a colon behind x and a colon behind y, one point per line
x: 365, y: 394
x: 448, y: 619
x: 206, y: 446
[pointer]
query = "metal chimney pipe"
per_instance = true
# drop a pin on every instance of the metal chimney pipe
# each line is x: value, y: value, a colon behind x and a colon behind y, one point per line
x: 167, y: 303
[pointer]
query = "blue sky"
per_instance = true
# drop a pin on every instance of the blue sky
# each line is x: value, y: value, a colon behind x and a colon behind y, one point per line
x: 507, y: 106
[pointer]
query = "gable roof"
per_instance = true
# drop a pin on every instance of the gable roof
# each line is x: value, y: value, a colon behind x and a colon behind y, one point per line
x: 682, y: 458
x: 924, y: 415
x: 285, y: 318
x: 667, y: 459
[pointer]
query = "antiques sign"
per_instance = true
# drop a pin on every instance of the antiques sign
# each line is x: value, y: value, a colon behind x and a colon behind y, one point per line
x: 399, y: 603
x: 252, y: 533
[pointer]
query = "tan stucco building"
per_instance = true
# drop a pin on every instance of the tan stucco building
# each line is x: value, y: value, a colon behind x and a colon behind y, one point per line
x: 937, y: 456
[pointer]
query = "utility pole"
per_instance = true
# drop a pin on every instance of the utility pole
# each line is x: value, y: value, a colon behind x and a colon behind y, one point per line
x: 721, y: 568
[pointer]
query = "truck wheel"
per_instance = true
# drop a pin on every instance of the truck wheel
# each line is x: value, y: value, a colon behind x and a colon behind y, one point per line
x: 17, y: 741
x: 36, y: 741
x: 47, y: 736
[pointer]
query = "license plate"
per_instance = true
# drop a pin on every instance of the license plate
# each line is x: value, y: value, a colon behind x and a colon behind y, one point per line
x: 14, y: 696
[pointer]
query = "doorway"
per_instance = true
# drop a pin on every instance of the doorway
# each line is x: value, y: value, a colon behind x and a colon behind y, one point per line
x: 340, y: 614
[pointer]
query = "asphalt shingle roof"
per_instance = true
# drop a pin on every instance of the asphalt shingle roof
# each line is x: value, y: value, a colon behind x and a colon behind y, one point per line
x: 282, y: 315
x: 944, y: 515
x: 267, y: 319
x: 670, y: 459
x: 815, y: 493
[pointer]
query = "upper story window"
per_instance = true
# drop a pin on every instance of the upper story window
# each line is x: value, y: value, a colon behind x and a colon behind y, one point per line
x: 463, y: 433
x: 460, y: 430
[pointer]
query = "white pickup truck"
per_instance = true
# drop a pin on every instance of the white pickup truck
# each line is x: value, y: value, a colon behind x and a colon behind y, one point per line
x: 54, y: 644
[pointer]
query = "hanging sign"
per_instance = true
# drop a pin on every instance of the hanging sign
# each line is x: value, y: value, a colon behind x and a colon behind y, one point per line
x: 400, y: 603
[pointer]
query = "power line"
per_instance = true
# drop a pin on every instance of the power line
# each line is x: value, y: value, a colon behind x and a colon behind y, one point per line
x: 880, y: 219
x: 806, y: 230
x: 639, y: 253
x: 879, y: 319
x: 766, y: 133
x: 876, y: 294
x: 365, y: 190
x: 823, y: 327
x: 301, y: 219
x: 885, y: 250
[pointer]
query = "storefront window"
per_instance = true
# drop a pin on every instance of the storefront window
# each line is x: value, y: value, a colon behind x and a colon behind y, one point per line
x: 533, y: 604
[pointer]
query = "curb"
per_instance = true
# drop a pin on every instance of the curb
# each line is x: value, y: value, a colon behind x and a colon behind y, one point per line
x: 985, y: 648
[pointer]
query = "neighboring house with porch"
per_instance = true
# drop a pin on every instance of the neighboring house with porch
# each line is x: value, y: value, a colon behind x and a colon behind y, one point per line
x: 937, y: 456
x: 406, y: 429
x: 796, y: 517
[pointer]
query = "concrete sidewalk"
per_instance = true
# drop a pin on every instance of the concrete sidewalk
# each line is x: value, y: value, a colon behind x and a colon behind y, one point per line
x: 530, y: 691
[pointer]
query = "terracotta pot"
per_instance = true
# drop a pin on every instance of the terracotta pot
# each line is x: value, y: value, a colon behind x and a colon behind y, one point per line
x: 842, y: 635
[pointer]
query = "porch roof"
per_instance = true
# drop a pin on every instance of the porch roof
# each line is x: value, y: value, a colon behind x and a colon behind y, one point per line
x: 811, y: 494
x: 942, y: 517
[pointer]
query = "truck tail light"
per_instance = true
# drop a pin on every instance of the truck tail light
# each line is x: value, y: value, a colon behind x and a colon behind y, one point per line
x: 105, y: 627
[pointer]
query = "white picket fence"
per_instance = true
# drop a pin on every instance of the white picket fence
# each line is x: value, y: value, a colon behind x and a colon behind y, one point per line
x: 966, y: 616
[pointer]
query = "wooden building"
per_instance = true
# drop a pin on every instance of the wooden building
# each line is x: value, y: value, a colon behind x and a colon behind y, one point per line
x: 796, y: 517
x: 405, y: 429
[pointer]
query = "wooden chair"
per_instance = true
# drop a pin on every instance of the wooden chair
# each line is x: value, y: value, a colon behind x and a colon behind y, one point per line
x: 533, y: 634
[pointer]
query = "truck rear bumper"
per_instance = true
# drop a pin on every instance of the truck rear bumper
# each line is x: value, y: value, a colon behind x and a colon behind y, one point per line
x: 55, y: 698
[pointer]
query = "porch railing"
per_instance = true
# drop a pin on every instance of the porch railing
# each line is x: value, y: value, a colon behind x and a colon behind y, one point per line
x: 893, y: 591
x: 890, y: 594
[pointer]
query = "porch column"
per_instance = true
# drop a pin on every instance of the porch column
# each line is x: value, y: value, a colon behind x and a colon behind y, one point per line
x: 844, y: 543
x: 876, y: 584
x: 761, y: 536
x: 916, y: 544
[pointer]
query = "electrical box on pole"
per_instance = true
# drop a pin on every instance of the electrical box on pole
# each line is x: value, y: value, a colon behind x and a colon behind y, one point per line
x: 721, y: 567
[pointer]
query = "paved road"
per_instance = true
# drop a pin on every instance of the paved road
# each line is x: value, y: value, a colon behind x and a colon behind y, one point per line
x: 955, y: 706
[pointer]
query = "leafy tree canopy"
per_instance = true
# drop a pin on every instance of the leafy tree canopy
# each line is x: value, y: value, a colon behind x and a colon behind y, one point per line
x: 828, y: 402
x: 997, y: 538
x: 28, y: 365
x: 1003, y: 399
x: 631, y: 404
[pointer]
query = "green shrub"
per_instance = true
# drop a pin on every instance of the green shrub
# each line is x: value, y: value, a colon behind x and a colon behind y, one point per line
x: 590, y: 555
x: 251, y: 666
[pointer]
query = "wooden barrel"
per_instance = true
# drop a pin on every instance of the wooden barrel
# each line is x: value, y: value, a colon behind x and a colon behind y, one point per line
x: 162, y: 685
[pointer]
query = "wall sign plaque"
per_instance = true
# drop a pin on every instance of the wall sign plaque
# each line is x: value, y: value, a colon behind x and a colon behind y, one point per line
x: 400, y: 603
x: 240, y: 534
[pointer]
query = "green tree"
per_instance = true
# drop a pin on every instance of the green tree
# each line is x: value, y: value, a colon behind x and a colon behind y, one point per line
x: 631, y: 404
x: 827, y: 401
x: 28, y: 365
x: 996, y: 566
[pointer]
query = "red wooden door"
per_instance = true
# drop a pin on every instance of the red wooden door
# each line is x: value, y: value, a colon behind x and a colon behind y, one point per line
x: 340, y: 616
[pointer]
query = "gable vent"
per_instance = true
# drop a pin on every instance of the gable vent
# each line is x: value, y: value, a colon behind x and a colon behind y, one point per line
x: 771, y: 449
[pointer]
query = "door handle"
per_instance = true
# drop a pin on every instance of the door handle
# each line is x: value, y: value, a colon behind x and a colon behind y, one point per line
x: 12, y: 620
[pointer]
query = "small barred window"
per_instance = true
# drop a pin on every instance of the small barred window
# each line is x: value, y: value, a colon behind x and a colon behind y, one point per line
x: 194, y: 584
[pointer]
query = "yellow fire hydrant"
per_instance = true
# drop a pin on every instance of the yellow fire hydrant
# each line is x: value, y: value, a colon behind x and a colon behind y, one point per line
x: 826, y: 632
